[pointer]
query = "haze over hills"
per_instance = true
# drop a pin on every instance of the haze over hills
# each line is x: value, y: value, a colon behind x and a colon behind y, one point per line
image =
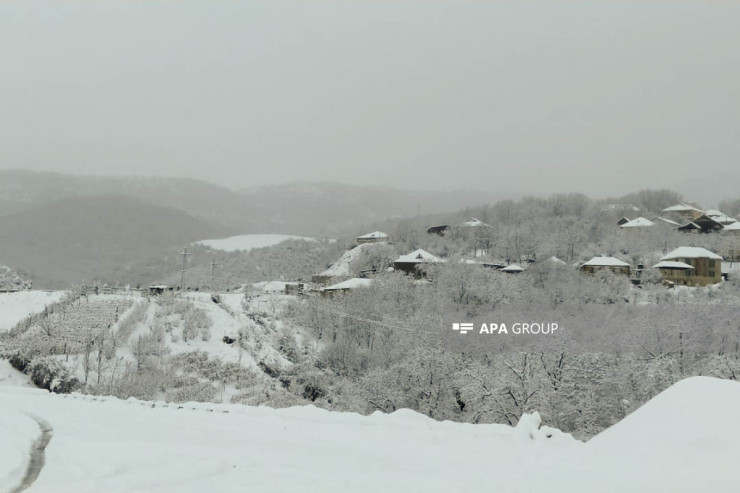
x: 85, y: 238
x: 312, y: 209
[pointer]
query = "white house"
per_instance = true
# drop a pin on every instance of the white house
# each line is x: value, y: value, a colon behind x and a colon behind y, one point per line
x: 691, y: 266
x: 412, y: 261
x: 605, y: 263
x: 344, y: 286
x: 640, y: 222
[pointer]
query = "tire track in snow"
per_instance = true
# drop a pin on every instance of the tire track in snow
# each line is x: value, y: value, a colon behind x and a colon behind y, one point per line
x: 38, y: 455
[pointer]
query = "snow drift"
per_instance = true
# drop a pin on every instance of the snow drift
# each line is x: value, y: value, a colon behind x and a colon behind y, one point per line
x: 685, y: 439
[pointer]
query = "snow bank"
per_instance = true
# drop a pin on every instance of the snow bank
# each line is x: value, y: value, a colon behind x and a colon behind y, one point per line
x: 686, y: 439
x: 11, y: 377
x: 14, y: 307
x: 248, y: 242
x: 103, y: 444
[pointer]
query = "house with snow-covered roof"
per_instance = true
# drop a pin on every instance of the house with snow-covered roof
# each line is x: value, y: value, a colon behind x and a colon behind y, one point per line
x: 474, y: 223
x: 708, y: 224
x: 612, y: 264
x: 689, y: 227
x: 720, y: 217
x: 733, y: 228
x: 683, y: 211
x: 412, y: 262
x: 344, y: 286
x: 664, y: 221
x: 374, y: 237
x: 639, y: 222
x: 690, y: 266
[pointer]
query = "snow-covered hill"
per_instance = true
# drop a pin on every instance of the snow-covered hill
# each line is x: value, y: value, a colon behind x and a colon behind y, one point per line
x: 686, y: 439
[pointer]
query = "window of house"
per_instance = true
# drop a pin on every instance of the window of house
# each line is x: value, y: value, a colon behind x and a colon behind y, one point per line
x: 711, y: 273
x: 687, y: 272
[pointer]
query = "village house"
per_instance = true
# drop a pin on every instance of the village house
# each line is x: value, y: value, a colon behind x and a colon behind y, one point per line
x: 512, y: 269
x: 622, y: 221
x: 689, y: 227
x: 412, y: 262
x: 640, y: 222
x: 374, y: 237
x: 733, y: 228
x: 344, y: 286
x: 597, y: 264
x: 662, y: 221
x: 690, y: 266
x: 439, y: 230
x: 157, y: 289
x: 708, y: 224
x: 474, y: 223
x: 720, y: 217
x: 682, y: 212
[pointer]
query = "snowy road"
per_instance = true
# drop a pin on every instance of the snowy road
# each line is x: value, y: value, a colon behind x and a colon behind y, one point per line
x: 685, y: 440
x: 37, y: 455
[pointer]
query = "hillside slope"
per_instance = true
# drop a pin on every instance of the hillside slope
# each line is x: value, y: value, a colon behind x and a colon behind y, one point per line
x: 310, y: 209
x: 84, y: 239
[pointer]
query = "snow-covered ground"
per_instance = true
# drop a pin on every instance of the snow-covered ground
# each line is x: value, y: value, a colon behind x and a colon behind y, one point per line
x: 102, y: 444
x: 14, y: 307
x: 685, y: 440
x: 10, y: 377
x: 248, y: 242
x: 343, y: 265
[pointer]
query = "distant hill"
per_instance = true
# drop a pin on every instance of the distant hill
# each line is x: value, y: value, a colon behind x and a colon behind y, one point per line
x: 310, y: 209
x: 332, y: 209
x: 103, y: 237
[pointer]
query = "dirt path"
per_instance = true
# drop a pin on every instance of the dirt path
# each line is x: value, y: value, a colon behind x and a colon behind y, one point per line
x: 38, y: 455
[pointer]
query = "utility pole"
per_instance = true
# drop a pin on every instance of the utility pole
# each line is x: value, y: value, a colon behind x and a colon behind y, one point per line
x: 213, y: 271
x: 184, y: 254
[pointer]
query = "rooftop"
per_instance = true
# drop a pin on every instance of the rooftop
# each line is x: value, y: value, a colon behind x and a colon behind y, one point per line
x: 373, y: 235
x: 473, y: 222
x: 680, y: 208
x: 355, y: 282
x: 418, y: 256
x: 606, y: 262
x: 691, y: 252
x: 640, y: 222
x: 667, y: 221
x: 670, y: 264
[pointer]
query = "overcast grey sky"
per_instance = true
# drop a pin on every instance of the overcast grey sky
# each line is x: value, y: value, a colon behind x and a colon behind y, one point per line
x: 537, y: 96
